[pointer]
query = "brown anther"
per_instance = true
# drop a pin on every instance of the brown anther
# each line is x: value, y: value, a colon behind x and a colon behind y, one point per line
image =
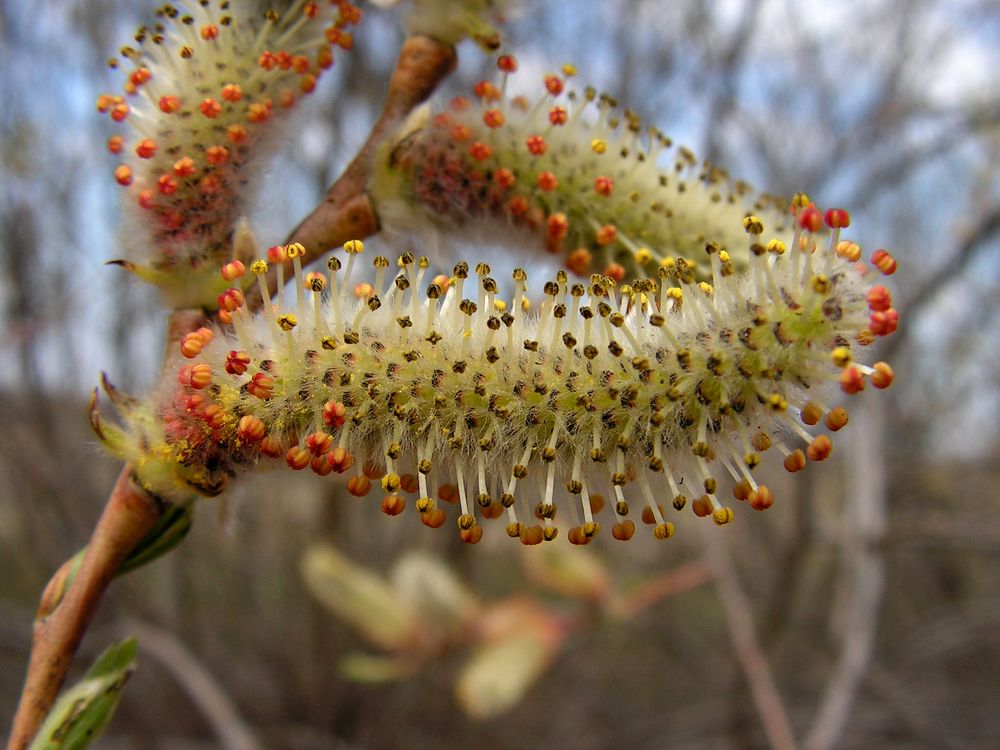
x: 575, y: 536
x: 702, y: 506
x: 532, y: 535
x: 393, y: 505
x: 742, y: 490
x: 761, y: 498
x: 434, y: 519
x: 359, y: 486
x: 648, y: 517
x: 623, y: 530
x: 811, y: 413
x: 471, y: 535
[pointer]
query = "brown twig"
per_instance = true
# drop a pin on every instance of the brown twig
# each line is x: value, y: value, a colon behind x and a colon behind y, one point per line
x: 345, y: 213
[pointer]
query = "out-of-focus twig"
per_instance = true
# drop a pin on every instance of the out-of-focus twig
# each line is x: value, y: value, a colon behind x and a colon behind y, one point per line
x: 217, y: 708
x: 739, y: 619
x: 659, y: 587
x: 866, y: 525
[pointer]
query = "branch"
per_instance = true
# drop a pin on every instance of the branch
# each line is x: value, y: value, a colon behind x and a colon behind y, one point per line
x: 739, y: 619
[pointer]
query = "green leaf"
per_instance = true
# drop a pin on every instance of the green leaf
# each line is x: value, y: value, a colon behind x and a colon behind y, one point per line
x: 166, y: 534
x: 84, y: 710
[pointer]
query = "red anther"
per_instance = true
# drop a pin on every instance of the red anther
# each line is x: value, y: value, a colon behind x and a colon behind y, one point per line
x: 324, y: 58
x: 277, y: 254
x: 261, y: 385
x: 123, y: 174
x: 267, y: 60
x: 230, y: 300
x: 201, y: 375
x: 471, y: 535
x: 233, y: 270
x: 819, y: 449
x: 504, y: 178
x: 851, y: 380
x: 493, y: 118
x: 579, y: 261
x: 558, y: 115
x: 297, y: 457
x: 702, y: 506
x: 192, y: 344
x: 209, y: 32
x: 616, y: 271
x: 606, y: 234
x: 837, y: 218
x: 486, y: 90
x: 359, y: 486
x: 604, y: 185
x: 105, y: 102
x: 300, y: 64
x: 346, y: 41
x: 879, y: 298
x: 837, y: 419
x: 363, y: 290
x: 553, y: 84
x: 195, y: 403
x: 210, y: 108
x: 458, y: 104
x: 250, y: 429
x: 340, y: 460
x: 518, y: 205
x: 284, y: 59
x: 184, y: 375
x: 232, y: 92
x: 115, y: 144
x: 147, y: 198
x: 460, y: 133
x: 393, y: 505
x: 216, y: 155
x: 214, y: 417
x: 184, y: 167
x: 119, y: 112
x: 169, y: 104
x: 210, y: 184
x: 507, y: 63
x: 433, y: 519
x: 307, y: 83
x: 319, y: 442
x: 882, y: 376
x: 761, y: 498
x: 811, y: 219
x: 259, y: 111
x: 237, y: 362
x: 795, y: 461
x: 139, y: 76
x: 166, y: 184
x: 286, y: 98
x: 146, y: 148
x: 334, y: 414
x: 622, y: 531
x: 480, y: 151
x: 236, y: 134
x: 332, y: 35
x: 311, y: 10
x: 270, y: 446
x: 884, y: 262
x: 883, y: 323
x: 557, y: 225
x: 536, y: 145
x: 547, y: 181
x: 320, y: 465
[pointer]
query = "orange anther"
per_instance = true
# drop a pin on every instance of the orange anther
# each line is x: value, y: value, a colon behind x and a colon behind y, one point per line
x: 393, y: 505
x: 622, y: 531
x: 250, y: 428
x: 851, y: 380
x: 882, y: 375
x: 340, y: 459
x: 761, y: 498
x: 884, y: 262
x: 819, y: 449
x: 837, y: 419
x: 359, y: 486
x: 795, y: 461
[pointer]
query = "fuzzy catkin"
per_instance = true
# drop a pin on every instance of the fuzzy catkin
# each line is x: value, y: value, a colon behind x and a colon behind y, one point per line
x: 577, y: 175
x: 649, y: 394
x: 206, y: 87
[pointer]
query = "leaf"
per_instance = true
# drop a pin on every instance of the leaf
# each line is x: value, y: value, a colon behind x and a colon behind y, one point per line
x: 167, y: 533
x: 84, y: 710
x: 375, y: 669
x: 498, y: 674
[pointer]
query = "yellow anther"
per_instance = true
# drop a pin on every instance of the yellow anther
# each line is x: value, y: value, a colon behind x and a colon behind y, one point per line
x: 777, y: 402
x: 287, y: 321
x: 569, y: 69
x: 391, y: 482
x: 670, y: 261
x: 258, y: 267
x: 722, y: 516
x: 525, y: 303
x: 663, y: 530
x: 354, y: 246
x: 706, y: 288
x: 295, y: 250
x: 753, y: 225
x: 499, y: 305
x: 675, y: 293
x: 841, y: 356
x: 777, y: 247
x: 724, y: 256
x: 380, y: 261
x: 643, y: 255
x: 800, y: 200
x: 598, y: 146
x: 820, y: 284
